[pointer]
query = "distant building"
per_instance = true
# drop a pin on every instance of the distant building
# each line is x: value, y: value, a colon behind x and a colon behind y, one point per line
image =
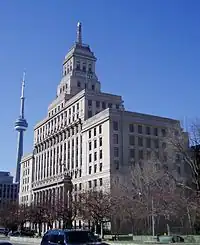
x: 8, y: 189
x: 90, y: 134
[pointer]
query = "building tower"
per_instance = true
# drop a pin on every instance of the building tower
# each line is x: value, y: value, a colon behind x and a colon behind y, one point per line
x: 20, y: 125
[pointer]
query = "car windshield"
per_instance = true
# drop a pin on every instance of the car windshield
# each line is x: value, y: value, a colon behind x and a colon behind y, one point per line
x: 75, y: 237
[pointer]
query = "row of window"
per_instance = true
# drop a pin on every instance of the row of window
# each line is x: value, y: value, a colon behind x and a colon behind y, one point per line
x: 95, y: 156
x: 24, y: 199
x: 95, y: 144
x: 26, y: 172
x: 95, y: 168
x: 90, y: 185
x: 95, y: 131
x: 141, y: 129
x: 25, y: 188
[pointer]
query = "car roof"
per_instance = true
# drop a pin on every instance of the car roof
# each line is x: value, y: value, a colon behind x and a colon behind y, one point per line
x: 5, y: 243
x: 65, y: 231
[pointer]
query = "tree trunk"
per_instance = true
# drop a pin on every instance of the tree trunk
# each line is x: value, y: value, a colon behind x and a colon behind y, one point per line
x: 101, y: 230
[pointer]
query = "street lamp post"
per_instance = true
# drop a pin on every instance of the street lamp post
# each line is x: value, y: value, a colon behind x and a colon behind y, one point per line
x: 152, y: 217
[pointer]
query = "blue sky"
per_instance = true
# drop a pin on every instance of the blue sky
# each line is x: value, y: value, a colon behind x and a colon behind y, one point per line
x: 147, y: 50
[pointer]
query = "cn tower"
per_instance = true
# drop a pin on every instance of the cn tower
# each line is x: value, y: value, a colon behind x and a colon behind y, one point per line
x: 20, y: 126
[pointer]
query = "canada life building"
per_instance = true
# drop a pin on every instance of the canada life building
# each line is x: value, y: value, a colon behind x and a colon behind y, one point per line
x: 88, y: 133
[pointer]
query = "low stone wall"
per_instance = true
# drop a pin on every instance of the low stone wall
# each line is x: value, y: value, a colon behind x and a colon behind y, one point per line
x: 25, y: 240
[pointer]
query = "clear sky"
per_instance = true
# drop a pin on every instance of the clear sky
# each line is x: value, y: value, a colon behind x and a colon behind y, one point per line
x: 148, y: 51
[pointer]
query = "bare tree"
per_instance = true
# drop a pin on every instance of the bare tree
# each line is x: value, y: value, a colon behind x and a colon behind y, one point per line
x: 97, y: 206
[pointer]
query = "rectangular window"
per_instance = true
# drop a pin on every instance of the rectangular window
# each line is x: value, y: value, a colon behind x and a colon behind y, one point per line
x: 156, y: 143
x: 116, y: 152
x: 117, y: 106
x: 90, y: 184
x: 95, y: 132
x: 163, y: 131
x: 116, y: 163
x: 103, y: 105
x: 100, y: 167
x: 80, y: 186
x: 115, y: 126
x: 100, y: 141
x: 148, y: 142
x: 90, y: 169
x: 140, y: 141
x: 131, y: 140
x: 100, y: 129
x: 95, y: 144
x: 89, y: 134
x: 95, y: 183
x: 95, y: 168
x: 90, y: 157
x: 100, y: 181
x: 95, y: 156
x: 90, y: 146
x: 97, y: 104
x: 131, y: 128
x: 148, y: 155
x: 89, y: 102
x: 131, y: 153
x: 109, y: 105
x: 141, y: 155
x: 139, y: 129
x: 115, y: 138
x: 148, y: 130
x: 155, y: 131
x: 100, y: 154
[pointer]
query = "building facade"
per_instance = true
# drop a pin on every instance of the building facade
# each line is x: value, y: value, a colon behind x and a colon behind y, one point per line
x: 8, y: 189
x: 89, y: 134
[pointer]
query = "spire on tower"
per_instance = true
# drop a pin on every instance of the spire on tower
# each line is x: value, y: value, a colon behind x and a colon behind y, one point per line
x: 79, y: 33
x: 22, y: 97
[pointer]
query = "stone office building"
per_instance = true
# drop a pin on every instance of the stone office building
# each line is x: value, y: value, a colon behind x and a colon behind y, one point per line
x: 87, y: 132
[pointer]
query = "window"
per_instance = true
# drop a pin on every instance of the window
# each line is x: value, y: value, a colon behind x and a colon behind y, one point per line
x: 140, y: 141
x: 95, y: 144
x: 100, y: 141
x: 95, y: 131
x: 116, y: 163
x: 75, y: 187
x: 90, y: 157
x: 131, y: 140
x: 89, y: 102
x: 95, y: 168
x: 100, y: 154
x: 97, y: 104
x: 148, y: 142
x: 90, y: 169
x: 84, y: 67
x: 89, y: 114
x: 100, y: 129
x: 100, y: 181
x: 155, y: 131
x: 148, y: 130
x: 93, y: 87
x: 131, y: 128
x: 89, y: 134
x: 103, y: 105
x: 78, y: 84
x: 89, y: 68
x: 78, y: 65
x: 141, y: 155
x: 117, y: 106
x: 116, y: 152
x: 139, y: 129
x: 115, y: 125
x: 109, y: 105
x: 131, y: 153
x: 163, y: 131
x: 115, y: 138
x: 95, y: 156
x: 95, y: 183
x: 100, y: 167
x: 156, y: 144
x: 80, y: 186
x: 90, y: 184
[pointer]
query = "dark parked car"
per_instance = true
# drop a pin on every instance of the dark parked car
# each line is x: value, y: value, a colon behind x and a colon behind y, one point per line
x: 5, y: 243
x: 66, y: 237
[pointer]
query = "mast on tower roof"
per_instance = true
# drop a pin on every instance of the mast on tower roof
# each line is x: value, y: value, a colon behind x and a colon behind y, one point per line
x: 79, y: 33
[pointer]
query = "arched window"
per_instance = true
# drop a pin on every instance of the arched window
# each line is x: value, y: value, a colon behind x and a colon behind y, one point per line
x: 93, y: 87
x: 90, y: 68
x: 78, y: 67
